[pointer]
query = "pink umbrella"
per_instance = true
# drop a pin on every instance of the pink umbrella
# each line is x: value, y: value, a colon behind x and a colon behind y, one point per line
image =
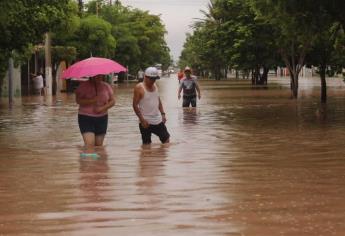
x: 92, y: 66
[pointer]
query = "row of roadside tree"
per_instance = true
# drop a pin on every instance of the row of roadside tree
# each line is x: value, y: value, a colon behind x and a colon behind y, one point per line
x: 254, y: 36
x: 78, y: 30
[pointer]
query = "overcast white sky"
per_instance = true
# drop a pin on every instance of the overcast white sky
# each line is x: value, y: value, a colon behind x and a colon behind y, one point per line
x: 177, y: 15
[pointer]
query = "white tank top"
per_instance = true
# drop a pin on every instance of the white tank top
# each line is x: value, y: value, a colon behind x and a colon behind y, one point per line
x: 149, y: 106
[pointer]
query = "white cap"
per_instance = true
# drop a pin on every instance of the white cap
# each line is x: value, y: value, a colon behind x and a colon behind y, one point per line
x: 187, y: 68
x: 152, y: 72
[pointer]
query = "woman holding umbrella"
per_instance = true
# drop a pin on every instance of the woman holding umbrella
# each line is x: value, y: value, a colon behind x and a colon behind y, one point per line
x: 94, y: 97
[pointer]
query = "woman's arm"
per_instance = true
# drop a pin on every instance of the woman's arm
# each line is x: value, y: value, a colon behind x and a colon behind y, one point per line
x: 85, y: 101
x: 80, y: 97
x: 108, y: 105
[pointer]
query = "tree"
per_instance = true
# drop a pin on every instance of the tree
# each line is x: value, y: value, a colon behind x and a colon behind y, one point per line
x: 214, y: 40
x: 193, y: 53
x: 139, y: 35
x: 249, y: 41
x: 23, y: 23
x: 327, y: 55
x: 335, y: 9
x: 94, y: 38
x: 297, y: 23
x: 232, y: 36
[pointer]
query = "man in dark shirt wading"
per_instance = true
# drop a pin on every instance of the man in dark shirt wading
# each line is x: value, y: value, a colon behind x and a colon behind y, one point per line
x: 190, y: 88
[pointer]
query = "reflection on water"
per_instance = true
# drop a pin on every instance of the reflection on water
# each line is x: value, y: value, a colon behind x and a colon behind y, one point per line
x: 190, y: 116
x: 244, y: 162
x: 151, y: 170
x: 94, y: 178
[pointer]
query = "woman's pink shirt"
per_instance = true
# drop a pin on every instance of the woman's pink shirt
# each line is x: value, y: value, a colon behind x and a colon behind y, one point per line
x: 87, y: 90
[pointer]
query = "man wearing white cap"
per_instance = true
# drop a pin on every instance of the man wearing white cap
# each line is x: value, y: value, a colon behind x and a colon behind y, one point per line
x: 190, y: 86
x: 148, y: 107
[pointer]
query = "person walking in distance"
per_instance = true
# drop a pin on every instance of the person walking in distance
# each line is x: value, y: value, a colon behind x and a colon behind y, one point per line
x: 190, y: 88
x: 180, y: 76
x: 39, y: 84
x: 140, y: 75
x: 148, y: 107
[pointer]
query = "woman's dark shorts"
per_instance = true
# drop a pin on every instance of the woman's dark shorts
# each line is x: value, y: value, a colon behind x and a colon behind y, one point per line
x: 160, y: 130
x: 90, y: 124
x: 189, y: 100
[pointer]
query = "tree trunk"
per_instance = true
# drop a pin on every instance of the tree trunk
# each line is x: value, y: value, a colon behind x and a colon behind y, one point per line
x: 294, y: 72
x: 219, y: 73
x: 264, y: 76
x: 80, y: 5
x: 294, y: 85
x: 323, y: 84
x: 253, y: 76
x: 257, y: 75
x: 54, y: 81
x: 295, y: 64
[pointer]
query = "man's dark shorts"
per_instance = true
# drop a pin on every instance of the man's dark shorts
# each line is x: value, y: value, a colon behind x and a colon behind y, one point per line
x: 189, y: 100
x: 160, y: 130
x: 90, y: 124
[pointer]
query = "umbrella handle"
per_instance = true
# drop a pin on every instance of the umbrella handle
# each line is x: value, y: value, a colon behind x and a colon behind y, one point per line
x: 95, y: 87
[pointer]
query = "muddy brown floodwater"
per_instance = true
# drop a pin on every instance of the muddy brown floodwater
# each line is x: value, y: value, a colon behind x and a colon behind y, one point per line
x: 248, y: 162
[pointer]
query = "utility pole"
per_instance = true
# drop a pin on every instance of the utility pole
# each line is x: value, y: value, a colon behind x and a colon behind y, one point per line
x: 29, y: 77
x: 10, y: 81
x: 48, y: 63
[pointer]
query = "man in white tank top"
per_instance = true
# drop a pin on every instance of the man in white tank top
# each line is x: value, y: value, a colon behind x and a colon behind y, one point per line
x: 148, y: 107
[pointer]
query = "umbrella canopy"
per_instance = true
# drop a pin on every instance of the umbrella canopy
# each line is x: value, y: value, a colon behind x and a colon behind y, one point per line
x: 92, y: 66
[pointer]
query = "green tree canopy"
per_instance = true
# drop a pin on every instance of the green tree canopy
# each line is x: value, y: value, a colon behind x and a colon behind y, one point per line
x: 139, y: 35
x: 24, y: 22
x: 94, y: 38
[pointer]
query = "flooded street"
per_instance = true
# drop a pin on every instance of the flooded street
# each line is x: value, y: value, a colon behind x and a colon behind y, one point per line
x: 246, y: 162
